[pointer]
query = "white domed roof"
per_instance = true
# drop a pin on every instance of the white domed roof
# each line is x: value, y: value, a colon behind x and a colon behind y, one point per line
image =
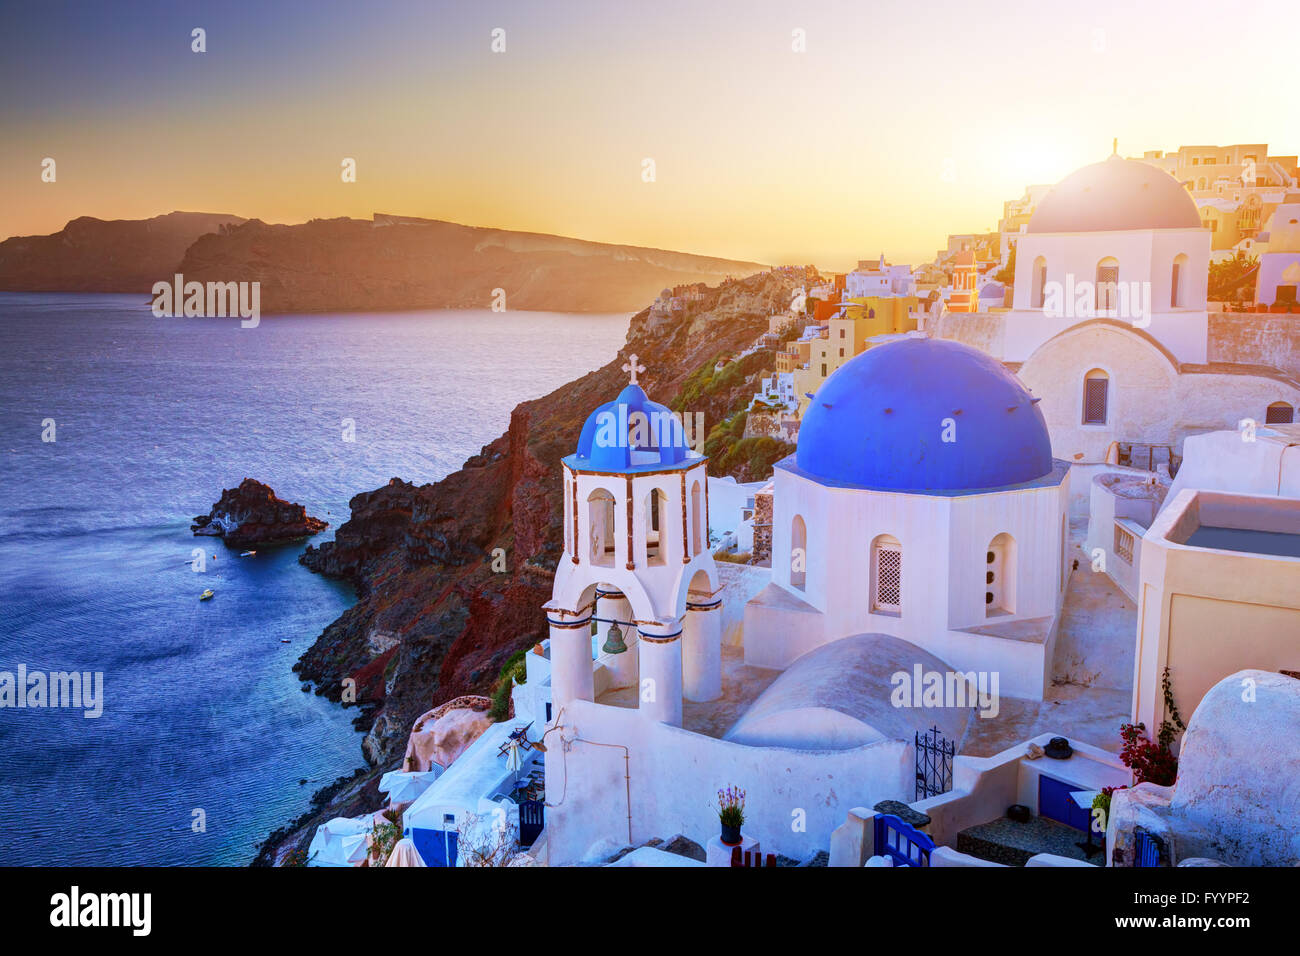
x: 1113, y: 195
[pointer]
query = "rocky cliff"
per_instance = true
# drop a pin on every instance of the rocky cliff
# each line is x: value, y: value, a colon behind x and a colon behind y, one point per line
x: 94, y: 255
x: 433, y: 619
x: 332, y: 265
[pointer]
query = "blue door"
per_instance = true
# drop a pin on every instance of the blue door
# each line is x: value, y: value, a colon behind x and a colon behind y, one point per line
x: 1054, y: 803
x: 436, y: 847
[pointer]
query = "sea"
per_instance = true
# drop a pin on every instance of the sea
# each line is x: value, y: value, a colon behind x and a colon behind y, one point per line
x: 116, y: 429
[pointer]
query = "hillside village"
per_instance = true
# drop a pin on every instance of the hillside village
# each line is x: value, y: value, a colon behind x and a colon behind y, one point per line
x: 960, y: 600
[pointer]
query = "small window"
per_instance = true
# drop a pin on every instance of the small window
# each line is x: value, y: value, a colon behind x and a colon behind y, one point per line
x: 1040, y: 283
x: 1107, y: 285
x: 1095, y: 398
x: 1279, y: 413
x: 887, y: 575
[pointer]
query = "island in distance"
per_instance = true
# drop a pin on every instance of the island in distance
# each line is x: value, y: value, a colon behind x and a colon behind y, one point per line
x: 252, y: 515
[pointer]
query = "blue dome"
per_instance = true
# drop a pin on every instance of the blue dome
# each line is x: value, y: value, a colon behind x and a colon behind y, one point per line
x: 879, y: 421
x: 631, y: 433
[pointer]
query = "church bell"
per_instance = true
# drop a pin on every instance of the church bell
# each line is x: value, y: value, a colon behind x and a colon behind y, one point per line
x: 614, y: 641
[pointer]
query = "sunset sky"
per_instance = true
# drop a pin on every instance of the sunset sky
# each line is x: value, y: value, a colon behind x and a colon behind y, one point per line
x: 761, y: 153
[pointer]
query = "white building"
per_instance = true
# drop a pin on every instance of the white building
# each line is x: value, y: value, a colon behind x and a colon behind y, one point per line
x: 923, y: 502
x: 1109, y: 324
x: 879, y: 278
x: 1279, y: 268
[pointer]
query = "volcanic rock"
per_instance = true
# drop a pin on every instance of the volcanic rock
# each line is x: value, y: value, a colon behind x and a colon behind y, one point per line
x: 251, y: 515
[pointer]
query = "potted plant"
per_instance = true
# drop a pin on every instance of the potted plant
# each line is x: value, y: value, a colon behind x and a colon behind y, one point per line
x: 731, y: 814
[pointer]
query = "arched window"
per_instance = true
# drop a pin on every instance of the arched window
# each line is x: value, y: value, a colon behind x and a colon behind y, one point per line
x: 886, y: 575
x: 656, y: 527
x: 697, y: 519
x: 1279, y: 413
x: 600, y: 522
x: 1095, y: 397
x: 1039, y: 279
x: 1107, y: 285
x: 1000, y: 576
x: 1177, y: 280
x: 798, y: 553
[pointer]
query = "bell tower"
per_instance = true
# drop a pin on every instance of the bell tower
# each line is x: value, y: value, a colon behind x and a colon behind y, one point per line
x: 636, y: 563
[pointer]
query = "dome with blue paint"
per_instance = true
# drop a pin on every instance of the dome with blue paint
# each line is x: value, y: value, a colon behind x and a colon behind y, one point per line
x: 880, y: 422
x: 632, y: 433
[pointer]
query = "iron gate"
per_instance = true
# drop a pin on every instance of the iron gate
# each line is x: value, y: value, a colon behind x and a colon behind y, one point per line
x: 532, y: 820
x: 933, y: 764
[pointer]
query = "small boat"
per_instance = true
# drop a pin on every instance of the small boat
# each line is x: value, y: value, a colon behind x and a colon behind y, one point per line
x: 247, y: 554
x: 206, y: 595
x: 284, y: 640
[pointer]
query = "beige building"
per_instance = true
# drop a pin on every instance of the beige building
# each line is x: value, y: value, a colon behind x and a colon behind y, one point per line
x: 1219, y: 592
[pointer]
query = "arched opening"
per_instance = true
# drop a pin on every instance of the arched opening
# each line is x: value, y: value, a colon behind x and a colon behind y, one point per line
x: 1279, y: 413
x: 1107, y: 289
x: 656, y: 527
x: 697, y: 519
x: 1177, y: 283
x: 1096, y: 386
x: 798, y: 553
x: 886, y: 575
x: 1038, y: 284
x: 600, y: 522
x: 1000, y: 576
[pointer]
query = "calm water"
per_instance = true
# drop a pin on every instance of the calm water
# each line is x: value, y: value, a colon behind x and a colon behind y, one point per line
x: 153, y: 417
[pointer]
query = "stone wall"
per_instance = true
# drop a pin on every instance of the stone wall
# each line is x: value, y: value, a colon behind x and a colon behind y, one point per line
x: 1256, y: 338
x: 763, y: 525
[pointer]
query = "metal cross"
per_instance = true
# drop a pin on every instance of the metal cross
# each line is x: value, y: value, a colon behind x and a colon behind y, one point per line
x: 631, y: 366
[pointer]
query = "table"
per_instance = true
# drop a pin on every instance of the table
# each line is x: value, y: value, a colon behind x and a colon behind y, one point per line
x: 1083, y: 800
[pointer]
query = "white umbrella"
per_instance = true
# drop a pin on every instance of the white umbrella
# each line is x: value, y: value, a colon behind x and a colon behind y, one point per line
x: 405, y: 854
x: 403, y: 787
x: 340, y: 842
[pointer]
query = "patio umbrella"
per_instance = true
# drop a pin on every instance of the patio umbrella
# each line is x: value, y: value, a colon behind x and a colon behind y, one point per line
x: 340, y: 842
x: 405, y: 854
x: 403, y: 787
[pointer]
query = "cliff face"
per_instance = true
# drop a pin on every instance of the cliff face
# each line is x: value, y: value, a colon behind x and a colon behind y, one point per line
x: 94, y: 255
x: 433, y: 619
x: 331, y: 265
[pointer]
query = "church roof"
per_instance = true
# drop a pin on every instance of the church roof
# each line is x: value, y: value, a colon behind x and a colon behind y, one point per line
x: 1113, y: 195
x: 840, y: 696
x: 632, y: 434
x: 923, y: 416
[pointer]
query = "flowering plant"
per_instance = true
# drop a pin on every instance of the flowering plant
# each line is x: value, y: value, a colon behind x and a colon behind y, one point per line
x: 731, y: 806
x: 1150, y: 762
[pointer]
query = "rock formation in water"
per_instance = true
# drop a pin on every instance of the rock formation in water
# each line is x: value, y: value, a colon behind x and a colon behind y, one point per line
x: 434, y: 620
x: 251, y: 515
